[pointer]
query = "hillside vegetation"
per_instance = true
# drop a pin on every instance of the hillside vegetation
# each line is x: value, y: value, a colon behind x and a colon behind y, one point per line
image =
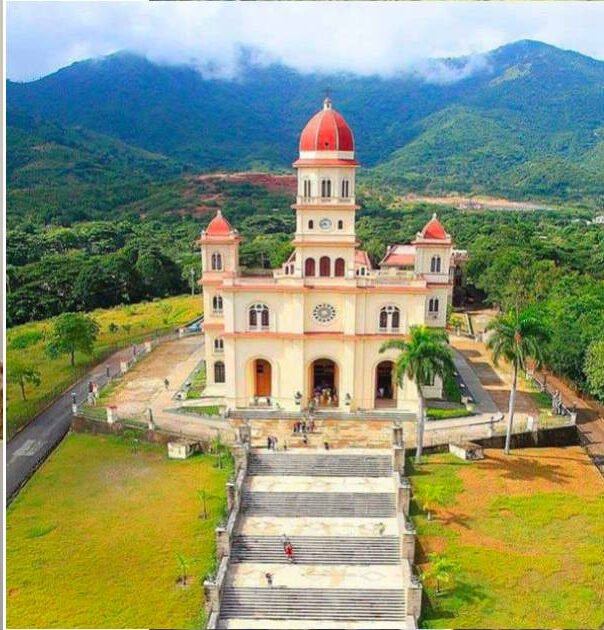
x: 527, y: 122
x: 119, y: 327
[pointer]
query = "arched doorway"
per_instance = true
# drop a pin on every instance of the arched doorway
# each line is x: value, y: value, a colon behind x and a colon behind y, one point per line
x: 385, y: 387
x: 324, y: 383
x: 262, y: 378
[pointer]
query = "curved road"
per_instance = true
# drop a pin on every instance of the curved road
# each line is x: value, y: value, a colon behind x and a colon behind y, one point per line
x: 28, y: 448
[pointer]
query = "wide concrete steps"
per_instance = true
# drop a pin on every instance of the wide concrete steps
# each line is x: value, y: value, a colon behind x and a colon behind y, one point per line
x: 323, y: 504
x: 311, y: 603
x: 318, y: 550
x: 319, y: 465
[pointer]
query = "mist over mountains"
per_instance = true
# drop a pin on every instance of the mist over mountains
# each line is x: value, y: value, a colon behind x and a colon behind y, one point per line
x: 525, y: 120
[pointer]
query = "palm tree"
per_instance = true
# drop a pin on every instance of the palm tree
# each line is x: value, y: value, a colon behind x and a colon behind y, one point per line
x: 441, y: 569
x: 422, y: 358
x: 517, y: 336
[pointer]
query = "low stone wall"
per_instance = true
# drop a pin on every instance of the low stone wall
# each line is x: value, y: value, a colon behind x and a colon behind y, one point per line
x: 82, y: 424
x: 560, y: 436
x: 224, y: 536
x: 337, y: 433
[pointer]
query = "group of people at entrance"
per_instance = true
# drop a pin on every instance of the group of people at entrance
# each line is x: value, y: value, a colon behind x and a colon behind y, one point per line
x: 325, y: 396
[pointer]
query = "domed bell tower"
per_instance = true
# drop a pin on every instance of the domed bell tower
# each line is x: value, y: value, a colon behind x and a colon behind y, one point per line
x: 325, y: 205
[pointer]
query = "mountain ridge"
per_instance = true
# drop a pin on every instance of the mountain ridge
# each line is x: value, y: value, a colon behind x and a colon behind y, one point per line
x: 527, y: 106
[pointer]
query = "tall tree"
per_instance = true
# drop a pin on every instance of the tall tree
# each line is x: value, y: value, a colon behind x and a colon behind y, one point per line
x: 424, y: 357
x: 517, y: 337
x: 72, y: 332
x: 22, y: 373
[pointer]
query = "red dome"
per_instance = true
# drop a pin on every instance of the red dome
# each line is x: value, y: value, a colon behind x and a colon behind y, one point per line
x: 434, y: 230
x: 327, y: 131
x: 219, y: 226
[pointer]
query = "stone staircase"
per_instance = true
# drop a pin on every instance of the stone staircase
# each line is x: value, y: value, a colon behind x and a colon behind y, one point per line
x: 318, y: 550
x: 359, y: 504
x: 319, y: 465
x: 347, y: 570
x: 313, y: 603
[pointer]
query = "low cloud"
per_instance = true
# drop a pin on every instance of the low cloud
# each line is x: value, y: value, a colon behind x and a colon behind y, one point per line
x: 363, y: 38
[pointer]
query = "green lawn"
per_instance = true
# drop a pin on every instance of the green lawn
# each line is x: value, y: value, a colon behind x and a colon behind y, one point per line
x: 92, y: 540
x: 526, y: 532
x: 134, y: 323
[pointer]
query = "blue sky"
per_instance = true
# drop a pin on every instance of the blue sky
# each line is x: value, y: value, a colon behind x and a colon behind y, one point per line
x: 360, y: 37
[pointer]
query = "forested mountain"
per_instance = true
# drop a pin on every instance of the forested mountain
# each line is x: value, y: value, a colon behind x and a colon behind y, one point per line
x: 527, y: 121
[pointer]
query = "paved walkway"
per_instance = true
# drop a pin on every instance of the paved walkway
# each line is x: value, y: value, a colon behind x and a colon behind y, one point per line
x: 143, y: 388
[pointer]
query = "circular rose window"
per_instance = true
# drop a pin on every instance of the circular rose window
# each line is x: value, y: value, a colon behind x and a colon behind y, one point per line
x: 324, y: 313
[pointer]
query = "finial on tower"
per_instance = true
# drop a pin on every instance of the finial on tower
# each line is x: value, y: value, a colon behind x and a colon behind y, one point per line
x: 327, y: 100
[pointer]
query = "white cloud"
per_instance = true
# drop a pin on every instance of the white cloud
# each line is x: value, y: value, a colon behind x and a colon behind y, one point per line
x: 359, y: 37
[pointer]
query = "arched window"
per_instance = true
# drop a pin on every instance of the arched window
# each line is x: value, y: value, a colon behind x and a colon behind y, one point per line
x: 340, y: 267
x: 390, y: 319
x: 216, y: 261
x: 287, y: 270
x: 309, y: 267
x: 433, y: 306
x: 217, y: 303
x: 259, y: 317
x: 218, y: 344
x: 345, y: 189
x: 311, y: 224
x: 340, y: 224
x: 324, y: 266
x: 219, y: 375
x: 326, y: 188
x: 307, y: 188
x: 435, y: 264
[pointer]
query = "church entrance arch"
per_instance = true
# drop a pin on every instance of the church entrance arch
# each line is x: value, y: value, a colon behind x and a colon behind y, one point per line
x: 262, y: 378
x: 385, y: 387
x: 324, y: 383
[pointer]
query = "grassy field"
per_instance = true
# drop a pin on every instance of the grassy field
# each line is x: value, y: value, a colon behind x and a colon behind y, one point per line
x: 92, y: 540
x: 120, y: 326
x: 526, y: 532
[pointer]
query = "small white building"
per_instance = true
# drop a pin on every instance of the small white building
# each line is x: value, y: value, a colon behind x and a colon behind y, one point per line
x: 310, y: 333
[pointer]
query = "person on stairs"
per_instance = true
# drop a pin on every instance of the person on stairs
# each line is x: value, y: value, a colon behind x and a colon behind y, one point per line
x: 289, y: 552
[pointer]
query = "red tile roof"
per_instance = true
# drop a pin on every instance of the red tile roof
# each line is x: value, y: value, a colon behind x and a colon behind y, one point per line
x: 361, y: 257
x: 399, y: 256
x: 434, y: 230
x: 327, y: 131
x: 219, y: 226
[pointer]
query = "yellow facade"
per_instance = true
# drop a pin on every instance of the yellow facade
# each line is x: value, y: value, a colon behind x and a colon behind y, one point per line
x: 310, y: 334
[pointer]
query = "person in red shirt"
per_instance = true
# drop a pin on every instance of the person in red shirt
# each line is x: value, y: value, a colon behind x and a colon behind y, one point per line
x: 289, y: 552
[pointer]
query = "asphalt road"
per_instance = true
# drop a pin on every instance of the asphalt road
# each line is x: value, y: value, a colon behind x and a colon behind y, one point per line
x: 28, y: 448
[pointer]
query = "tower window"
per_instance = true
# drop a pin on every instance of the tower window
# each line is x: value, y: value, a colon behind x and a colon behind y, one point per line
x: 309, y: 267
x: 326, y: 188
x: 311, y: 224
x: 345, y: 189
x: 435, y: 264
x: 216, y: 261
x: 218, y: 344
x: 219, y: 372
x: 340, y: 267
x: 340, y: 224
x: 324, y: 266
x: 217, y: 304
x: 433, y: 306
x: 307, y: 188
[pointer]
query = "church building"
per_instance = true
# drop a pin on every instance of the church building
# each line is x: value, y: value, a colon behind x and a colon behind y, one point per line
x: 309, y: 335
